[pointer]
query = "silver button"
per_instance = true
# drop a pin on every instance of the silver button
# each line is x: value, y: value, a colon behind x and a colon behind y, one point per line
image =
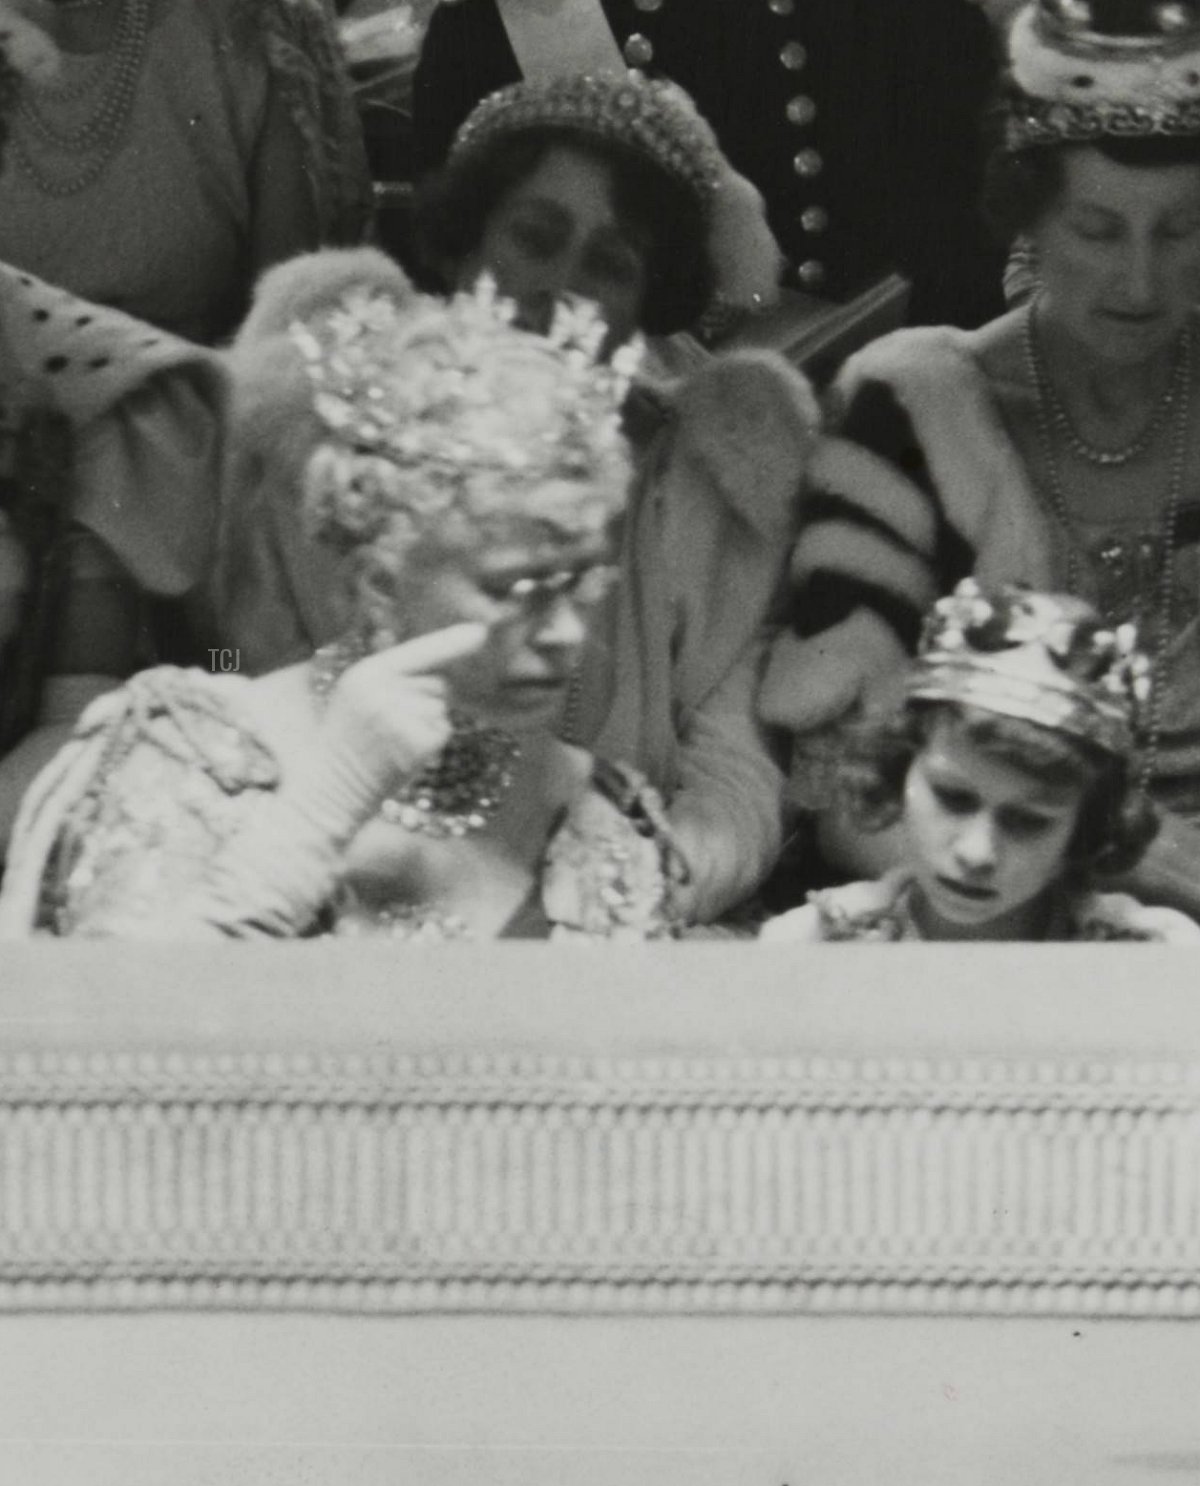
x: 811, y: 273
x: 781, y: 7
x: 807, y: 163
x: 814, y: 219
x: 639, y: 50
x: 650, y: 5
x: 801, y: 109
x: 793, y: 55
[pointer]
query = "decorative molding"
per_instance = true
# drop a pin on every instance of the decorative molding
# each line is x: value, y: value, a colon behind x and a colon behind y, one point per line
x: 505, y: 1182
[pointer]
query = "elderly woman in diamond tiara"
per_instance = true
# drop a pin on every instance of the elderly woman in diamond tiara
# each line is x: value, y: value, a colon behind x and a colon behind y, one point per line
x: 1011, y: 767
x: 1058, y: 446
x: 464, y: 476
x: 612, y: 189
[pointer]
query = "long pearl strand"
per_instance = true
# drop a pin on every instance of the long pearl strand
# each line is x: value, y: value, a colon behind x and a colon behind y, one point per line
x: 99, y: 136
x: 1169, y: 530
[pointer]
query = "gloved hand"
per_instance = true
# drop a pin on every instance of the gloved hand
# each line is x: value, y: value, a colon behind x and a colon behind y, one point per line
x: 387, y: 716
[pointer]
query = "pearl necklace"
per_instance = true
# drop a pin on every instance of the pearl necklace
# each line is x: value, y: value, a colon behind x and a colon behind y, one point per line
x: 1170, y: 522
x: 1064, y: 423
x: 462, y: 789
x: 98, y: 137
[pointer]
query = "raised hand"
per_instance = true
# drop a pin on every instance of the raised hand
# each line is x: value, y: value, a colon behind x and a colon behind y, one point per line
x: 388, y: 714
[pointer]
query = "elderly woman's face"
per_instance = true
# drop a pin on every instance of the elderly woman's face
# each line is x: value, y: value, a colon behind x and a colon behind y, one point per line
x: 1119, y: 255
x: 535, y: 591
x: 557, y: 232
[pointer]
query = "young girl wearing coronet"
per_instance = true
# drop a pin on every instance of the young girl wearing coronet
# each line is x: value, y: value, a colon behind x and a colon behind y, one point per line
x: 1012, y: 770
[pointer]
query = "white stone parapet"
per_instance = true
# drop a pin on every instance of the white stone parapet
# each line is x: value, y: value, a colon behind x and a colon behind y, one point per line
x: 708, y: 1129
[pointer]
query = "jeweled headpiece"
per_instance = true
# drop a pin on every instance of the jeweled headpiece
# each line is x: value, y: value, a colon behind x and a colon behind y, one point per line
x: 442, y: 417
x: 656, y: 119
x: 1083, y: 69
x: 1045, y: 658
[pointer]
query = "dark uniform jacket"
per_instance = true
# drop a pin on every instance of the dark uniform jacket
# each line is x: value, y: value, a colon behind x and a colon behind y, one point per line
x: 857, y: 119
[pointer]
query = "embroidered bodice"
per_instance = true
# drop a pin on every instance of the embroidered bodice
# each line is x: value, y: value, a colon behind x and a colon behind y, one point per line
x: 160, y: 820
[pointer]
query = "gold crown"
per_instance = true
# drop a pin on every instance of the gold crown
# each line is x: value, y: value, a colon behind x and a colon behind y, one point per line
x: 1045, y: 658
x: 1083, y: 69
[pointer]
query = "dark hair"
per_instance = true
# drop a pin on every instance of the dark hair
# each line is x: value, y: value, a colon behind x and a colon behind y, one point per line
x: 1020, y: 186
x: 451, y: 210
x: 1116, y: 822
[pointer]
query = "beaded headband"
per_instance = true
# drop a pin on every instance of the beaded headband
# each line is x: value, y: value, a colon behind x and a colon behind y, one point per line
x: 1044, y: 658
x: 657, y: 120
x: 444, y: 418
x: 1085, y: 69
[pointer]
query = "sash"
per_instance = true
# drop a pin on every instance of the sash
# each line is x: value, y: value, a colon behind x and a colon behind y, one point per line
x: 551, y: 37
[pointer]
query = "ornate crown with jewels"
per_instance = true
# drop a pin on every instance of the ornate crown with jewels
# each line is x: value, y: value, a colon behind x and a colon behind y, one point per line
x: 1082, y: 69
x: 445, y: 418
x: 1045, y: 658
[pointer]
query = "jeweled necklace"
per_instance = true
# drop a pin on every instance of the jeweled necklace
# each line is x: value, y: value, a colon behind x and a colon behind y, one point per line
x: 1170, y: 523
x: 457, y: 794
x: 98, y: 136
x: 1176, y: 388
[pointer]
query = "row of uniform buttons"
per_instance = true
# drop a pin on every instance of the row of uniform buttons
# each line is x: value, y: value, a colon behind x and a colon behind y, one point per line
x: 807, y: 163
x: 801, y: 111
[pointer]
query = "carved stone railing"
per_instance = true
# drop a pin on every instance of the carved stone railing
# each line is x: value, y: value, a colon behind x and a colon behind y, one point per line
x: 709, y: 1129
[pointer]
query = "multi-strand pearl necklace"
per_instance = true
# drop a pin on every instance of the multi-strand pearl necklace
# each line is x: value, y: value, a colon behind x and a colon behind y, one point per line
x: 1180, y: 398
x: 1177, y: 387
x: 98, y: 137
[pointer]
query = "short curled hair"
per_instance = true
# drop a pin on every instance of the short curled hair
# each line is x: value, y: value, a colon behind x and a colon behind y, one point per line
x: 451, y: 209
x: 1020, y: 186
x: 1116, y: 821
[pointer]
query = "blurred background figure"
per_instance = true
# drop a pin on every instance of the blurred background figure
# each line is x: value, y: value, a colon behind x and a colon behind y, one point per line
x: 178, y: 149
x: 110, y: 448
x: 859, y: 128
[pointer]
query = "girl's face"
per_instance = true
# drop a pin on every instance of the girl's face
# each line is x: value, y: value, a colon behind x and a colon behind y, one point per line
x: 1119, y: 255
x: 986, y: 839
x: 535, y: 592
x: 557, y: 233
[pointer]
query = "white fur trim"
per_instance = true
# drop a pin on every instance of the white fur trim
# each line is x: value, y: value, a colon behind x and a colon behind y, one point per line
x: 841, y: 547
x: 810, y: 683
x: 977, y: 473
x: 749, y: 420
x: 854, y: 474
x: 315, y: 282
x: 1145, y: 78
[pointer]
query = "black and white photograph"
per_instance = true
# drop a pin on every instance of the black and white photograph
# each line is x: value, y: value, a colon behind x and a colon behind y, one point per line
x: 526, y: 527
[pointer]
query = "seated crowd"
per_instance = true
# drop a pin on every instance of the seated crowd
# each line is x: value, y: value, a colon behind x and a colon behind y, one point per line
x: 492, y: 605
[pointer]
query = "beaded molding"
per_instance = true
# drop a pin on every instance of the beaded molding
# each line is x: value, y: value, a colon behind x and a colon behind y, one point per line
x: 476, y: 1182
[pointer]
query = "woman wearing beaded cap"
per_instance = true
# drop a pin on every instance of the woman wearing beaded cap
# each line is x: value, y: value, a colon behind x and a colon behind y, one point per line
x: 178, y: 148
x: 1059, y: 445
x: 611, y: 189
x: 462, y: 477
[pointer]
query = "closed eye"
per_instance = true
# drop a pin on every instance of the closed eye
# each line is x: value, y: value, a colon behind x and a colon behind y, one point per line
x: 1027, y: 823
x: 956, y: 801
